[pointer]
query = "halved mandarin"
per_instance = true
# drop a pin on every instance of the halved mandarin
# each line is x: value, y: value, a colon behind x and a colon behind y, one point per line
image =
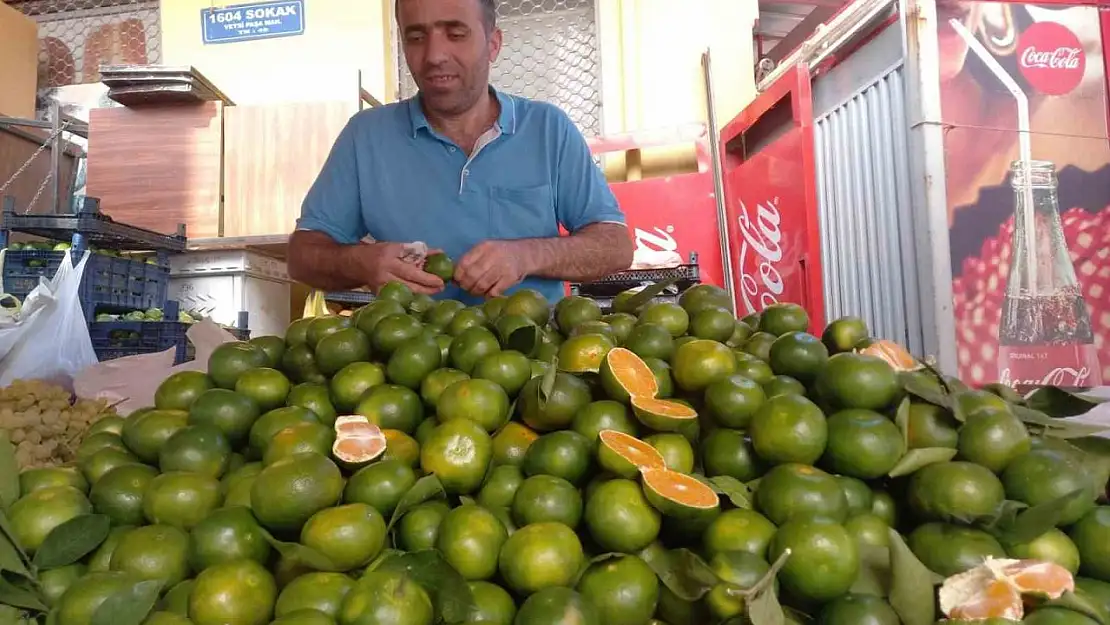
x: 357, y: 441
x: 625, y: 375
x: 677, y: 494
x: 662, y: 415
x: 626, y: 455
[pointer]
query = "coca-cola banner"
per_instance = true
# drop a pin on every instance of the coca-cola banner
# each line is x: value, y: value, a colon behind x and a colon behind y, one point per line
x: 1024, y: 104
x: 768, y: 233
x: 671, y: 218
x: 771, y: 199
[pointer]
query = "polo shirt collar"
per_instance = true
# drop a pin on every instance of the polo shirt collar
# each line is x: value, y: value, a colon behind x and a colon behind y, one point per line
x: 506, y: 121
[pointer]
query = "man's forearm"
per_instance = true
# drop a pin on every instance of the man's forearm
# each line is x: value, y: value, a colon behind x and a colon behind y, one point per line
x: 318, y: 261
x: 593, y: 252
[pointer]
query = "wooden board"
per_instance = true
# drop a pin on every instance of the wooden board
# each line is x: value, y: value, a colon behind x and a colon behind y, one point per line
x: 158, y: 166
x: 16, y: 146
x: 19, y: 63
x: 273, y: 154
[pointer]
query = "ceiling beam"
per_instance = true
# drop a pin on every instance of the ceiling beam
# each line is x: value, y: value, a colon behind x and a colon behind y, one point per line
x: 820, y: 14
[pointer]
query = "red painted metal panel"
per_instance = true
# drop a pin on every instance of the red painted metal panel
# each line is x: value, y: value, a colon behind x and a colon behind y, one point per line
x: 673, y: 214
x: 771, y: 199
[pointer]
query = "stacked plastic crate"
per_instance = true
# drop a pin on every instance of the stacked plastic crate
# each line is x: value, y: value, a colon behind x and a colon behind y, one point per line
x: 125, y: 279
x: 605, y: 290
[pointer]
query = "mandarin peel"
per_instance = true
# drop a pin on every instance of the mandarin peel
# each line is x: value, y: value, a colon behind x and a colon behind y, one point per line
x: 995, y: 588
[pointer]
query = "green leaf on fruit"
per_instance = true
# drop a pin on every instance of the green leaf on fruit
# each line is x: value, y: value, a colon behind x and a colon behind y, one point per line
x: 1082, y: 603
x: 449, y: 592
x: 525, y: 339
x: 72, y: 540
x: 645, y: 295
x: 683, y: 572
x: 128, y: 607
x: 762, y: 603
x: 382, y: 557
x: 13, y: 595
x: 10, y: 558
x: 874, y: 571
x: 916, y: 459
x: 914, y: 385
x: 547, y: 384
x: 739, y: 494
x: 9, y: 471
x: 425, y: 489
x: 1003, y: 518
x: 1057, y: 428
x: 1036, y: 520
x: 298, y: 554
x: 902, y: 420
x: 1057, y: 402
x: 911, y: 584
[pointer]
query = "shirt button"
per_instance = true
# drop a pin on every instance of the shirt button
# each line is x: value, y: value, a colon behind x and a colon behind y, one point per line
x: 452, y: 150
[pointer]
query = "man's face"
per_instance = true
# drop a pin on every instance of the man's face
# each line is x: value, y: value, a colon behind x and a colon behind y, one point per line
x: 448, y: 51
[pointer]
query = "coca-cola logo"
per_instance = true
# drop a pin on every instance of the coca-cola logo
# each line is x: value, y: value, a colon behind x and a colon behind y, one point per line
x: 1067, y: 377
x: 658, y: 241
x: 1051, y: 58
x: 761, y: 284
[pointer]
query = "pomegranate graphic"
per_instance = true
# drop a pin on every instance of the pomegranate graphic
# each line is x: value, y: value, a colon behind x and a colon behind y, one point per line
x: 979, y: 291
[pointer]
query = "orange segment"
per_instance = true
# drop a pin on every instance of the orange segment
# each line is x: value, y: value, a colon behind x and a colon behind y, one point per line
x: 894, y: 354
x: 996, y: 599
x: 626, y: 455
x: 662, y: 415
x: 357, y: 441
x: 1036, y: 577
x: 625, y: 375
x: 679, y: 489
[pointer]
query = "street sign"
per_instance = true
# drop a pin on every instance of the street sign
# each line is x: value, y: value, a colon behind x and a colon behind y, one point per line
x: 248, y: 22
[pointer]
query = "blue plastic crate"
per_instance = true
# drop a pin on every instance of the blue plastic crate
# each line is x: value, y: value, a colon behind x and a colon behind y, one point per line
x: 117, y: 339
x: 109, y: 283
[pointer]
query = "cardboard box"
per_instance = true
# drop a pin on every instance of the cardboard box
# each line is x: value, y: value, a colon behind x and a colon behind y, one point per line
x: 19, y: 60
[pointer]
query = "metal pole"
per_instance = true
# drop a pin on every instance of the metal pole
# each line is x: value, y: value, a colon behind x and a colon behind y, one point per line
x: 927, y: 175
x: 718, y: 178
x: 55, y: 157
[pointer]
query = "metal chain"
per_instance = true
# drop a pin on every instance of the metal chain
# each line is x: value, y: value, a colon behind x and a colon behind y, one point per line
x: 45, y: 181
x: 22, y: 168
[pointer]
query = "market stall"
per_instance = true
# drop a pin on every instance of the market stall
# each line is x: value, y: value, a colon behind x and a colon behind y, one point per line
x: 748, y: 426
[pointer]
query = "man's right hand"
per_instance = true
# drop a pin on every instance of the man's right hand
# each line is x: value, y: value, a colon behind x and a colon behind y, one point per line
x: 380, y: 263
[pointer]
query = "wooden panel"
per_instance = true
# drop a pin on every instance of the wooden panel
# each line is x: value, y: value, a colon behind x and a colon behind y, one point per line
x: 273, y: 154
x: 19, y: 60
x: 16, y: 146
x: 158, y: 166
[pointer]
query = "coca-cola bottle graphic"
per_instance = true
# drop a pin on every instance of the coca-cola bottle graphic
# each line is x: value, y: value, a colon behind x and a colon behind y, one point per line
x: 1045, y: 333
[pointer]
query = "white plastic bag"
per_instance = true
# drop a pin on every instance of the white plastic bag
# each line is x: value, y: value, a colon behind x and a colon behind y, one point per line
x: 53, y: 341
x: 14, y: 325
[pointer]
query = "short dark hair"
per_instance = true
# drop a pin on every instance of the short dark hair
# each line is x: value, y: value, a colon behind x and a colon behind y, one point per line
x: 489, y: 13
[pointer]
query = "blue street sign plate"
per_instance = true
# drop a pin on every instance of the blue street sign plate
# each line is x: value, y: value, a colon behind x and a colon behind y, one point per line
x: 247, y: 22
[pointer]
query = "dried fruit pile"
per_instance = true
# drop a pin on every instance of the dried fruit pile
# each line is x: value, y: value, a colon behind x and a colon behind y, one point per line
x: 45, y: 423
x: 978, y: 291
x: 423, y: 462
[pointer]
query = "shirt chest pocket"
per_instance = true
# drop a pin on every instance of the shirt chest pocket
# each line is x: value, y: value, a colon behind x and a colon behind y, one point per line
x: 523, y: 212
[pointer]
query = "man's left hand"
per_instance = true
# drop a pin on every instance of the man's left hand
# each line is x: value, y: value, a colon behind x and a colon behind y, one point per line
x: 491, y: 267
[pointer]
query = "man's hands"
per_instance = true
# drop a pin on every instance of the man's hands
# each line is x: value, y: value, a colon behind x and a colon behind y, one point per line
x: 379, y: 263
x: 492, y: 267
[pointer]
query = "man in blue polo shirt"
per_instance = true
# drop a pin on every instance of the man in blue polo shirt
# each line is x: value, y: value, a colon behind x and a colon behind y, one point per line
x: 486, y: 177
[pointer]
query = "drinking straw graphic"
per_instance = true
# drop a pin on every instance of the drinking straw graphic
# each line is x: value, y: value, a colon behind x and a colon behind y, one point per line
x: 1025, y: 150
